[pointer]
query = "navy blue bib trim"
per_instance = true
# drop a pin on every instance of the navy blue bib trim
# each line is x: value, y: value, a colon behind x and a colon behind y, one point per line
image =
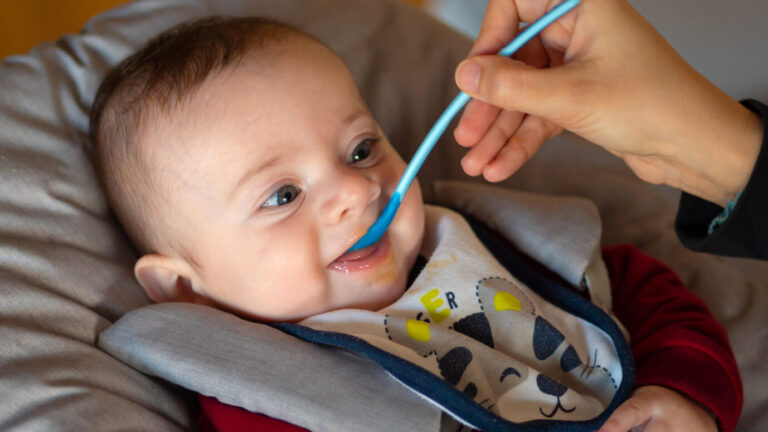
x: 461, y: 405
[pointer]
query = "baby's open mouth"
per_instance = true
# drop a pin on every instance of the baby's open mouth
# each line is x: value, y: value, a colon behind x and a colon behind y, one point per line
x: 363, y: 259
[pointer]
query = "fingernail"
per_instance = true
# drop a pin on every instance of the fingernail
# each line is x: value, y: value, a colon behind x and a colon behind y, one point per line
x: 465, y: 167
x: 468, y: 75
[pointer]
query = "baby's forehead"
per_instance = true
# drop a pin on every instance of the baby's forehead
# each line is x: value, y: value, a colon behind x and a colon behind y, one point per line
x: 296, y: 61
x: 247, y: 102
x: 292, y: 74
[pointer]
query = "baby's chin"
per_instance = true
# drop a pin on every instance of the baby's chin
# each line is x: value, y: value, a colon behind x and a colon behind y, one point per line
x: 390, y: 295
x: 384, y: 281
x: 392, y: 283
x: 371, y: 295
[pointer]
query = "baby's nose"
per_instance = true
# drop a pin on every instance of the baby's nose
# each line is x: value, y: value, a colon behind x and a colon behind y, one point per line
x: 352, y: 196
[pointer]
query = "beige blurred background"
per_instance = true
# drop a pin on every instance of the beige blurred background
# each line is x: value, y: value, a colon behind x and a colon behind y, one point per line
x: 25, y: 23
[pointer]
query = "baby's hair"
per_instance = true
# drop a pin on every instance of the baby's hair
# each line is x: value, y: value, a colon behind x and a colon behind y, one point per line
x: 156, y: 81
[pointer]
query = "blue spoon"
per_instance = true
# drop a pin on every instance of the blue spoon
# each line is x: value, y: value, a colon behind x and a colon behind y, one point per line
x: 382, y: 223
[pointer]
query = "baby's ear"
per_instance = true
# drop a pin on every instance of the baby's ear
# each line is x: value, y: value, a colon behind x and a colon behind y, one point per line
x: 166, y: 279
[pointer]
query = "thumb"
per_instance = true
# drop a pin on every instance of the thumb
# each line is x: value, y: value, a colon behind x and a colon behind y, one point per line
x: 515, y: 86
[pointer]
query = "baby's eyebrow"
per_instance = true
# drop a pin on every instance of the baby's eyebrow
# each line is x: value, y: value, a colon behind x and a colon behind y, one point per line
x: 254, y: 170
x: 354, y: 116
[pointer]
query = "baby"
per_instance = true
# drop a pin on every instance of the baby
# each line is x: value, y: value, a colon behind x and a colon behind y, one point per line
x: 254, y: 173
x: 243, y: 163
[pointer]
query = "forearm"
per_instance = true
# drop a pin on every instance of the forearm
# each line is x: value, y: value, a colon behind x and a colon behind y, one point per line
x: 743, y: 232
x: 713, y: 144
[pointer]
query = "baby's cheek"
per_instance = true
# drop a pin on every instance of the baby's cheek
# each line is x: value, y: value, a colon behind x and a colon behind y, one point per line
x: 395, y: 166
x: 415, y: 203
x: 411, y: 224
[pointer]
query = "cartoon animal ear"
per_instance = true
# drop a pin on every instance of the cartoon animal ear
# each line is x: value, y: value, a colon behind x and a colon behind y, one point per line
x: 500, y: 295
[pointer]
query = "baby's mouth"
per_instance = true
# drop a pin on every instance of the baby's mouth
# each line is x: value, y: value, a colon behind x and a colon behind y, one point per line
x: 363, y: 259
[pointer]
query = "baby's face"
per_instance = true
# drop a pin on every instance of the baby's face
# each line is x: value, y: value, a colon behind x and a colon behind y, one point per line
x: 276, y: 169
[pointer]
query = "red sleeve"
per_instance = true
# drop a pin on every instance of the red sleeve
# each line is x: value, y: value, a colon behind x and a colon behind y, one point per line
x: 220, y: 417
x: 675, y: 340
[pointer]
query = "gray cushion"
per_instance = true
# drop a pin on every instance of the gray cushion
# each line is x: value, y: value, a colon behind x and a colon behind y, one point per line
x: 262, y: 369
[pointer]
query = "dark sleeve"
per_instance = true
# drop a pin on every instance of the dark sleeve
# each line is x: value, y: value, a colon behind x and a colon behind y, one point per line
x: 216, y: 416
x: 745, y: 232
x: 675, y: 340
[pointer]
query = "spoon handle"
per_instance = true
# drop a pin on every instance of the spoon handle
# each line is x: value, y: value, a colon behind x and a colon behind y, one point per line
x: 382, y: 223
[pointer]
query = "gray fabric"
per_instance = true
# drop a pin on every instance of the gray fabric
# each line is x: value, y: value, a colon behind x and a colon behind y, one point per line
x: 65, y: 267
x: 259, y: 368
x: 561, y: 232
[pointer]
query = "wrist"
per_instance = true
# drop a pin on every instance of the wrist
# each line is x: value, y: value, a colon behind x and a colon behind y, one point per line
x: 714, y: 158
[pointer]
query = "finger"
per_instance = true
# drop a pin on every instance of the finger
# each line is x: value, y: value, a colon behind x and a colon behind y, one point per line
x: 533, y: 53
x: 515, y: 86
x: 653, y: 426
x: 554, y: 56
x: 502, y: 20
x: 478, y: 116
x: 526, y: 141
x: 627, y: 415
x: 489, y: 146
x: 499, y: 26
x: 529, y: 11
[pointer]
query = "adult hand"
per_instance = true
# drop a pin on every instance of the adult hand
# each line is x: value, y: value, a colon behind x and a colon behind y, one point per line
x: 603, y: 72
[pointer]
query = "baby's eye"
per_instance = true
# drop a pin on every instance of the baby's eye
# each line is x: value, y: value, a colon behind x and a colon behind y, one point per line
x: 362, y: 151
x: 282, y: 196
